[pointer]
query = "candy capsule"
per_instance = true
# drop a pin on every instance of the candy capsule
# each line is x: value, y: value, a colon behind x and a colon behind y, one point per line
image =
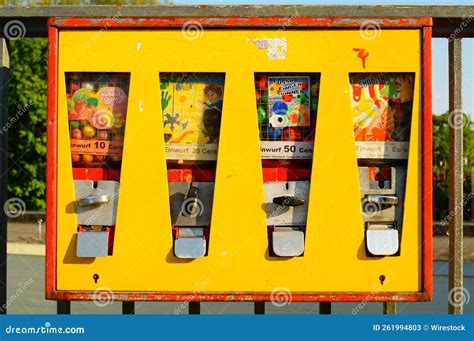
x: 263, y: 82
x: 87, y: 85
x: 89, y: 131
x: 76, y: 134
x: 74, y: 124
x: 87, y: 158
x: 262, y: 114
x: 116, y: 157
x: 103, y: 135
x: 99, y: 158
x: 76, y: 158
x: 274, y: 133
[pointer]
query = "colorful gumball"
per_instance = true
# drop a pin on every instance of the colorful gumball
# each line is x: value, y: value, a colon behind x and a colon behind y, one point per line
x: 99, y: 158
x: 74, y: 124
x: 314, y: 89
x: 103, y: 135
x: 119, y: 120
x: 87, y: 158
x: 263, y: 82
x: 76, y: 158
x: 287, y: 98
x: 87, y: 85
x: 76, y: 134
x: 258, y: 96
x: 292, y: 134
x: 314, y: 103
x: 262, y: 114
x: 116, y: 158
x: 115, y: 131
x: 301, y: 98
x: 89, y: 131
x: 274, y: 133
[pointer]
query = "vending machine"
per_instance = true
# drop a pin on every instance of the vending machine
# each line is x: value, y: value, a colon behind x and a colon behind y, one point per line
x: 191, y: 106
x: 241, y: 161
x: 287, y: 109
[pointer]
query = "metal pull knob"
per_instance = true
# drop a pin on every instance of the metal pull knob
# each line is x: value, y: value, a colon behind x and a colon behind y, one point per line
x: 93, y: 200
x: 287, y: 200
x: 383, y: 199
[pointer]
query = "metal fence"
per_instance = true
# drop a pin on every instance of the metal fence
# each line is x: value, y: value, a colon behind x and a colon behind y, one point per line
x: 450, y: 22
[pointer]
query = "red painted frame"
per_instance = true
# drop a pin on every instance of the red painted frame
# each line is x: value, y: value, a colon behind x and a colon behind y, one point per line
x: 424, y: 24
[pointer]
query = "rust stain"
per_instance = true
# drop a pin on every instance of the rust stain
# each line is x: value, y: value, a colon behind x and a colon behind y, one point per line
x: 239, y: 21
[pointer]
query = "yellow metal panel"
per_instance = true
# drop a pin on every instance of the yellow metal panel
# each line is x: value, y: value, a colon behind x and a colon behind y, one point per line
x: 334, y: 258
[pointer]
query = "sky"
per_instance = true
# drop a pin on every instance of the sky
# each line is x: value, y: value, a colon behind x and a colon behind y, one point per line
x: 440, y: 46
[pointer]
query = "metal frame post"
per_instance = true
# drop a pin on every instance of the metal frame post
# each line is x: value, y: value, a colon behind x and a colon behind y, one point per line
x: 63, y: 307
x: 194, y: 308
x: 4, y: 74
x: 128, y: 308
x: 456, y: 125
x: 325, y: 308
x: 389, y: 308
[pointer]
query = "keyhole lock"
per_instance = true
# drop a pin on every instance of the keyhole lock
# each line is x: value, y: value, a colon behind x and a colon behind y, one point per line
x: 95, y: 277
x: 382, y: 279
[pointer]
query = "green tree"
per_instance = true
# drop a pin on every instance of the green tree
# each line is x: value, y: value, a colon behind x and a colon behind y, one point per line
x: 27, y: 121
x: 441, y: 163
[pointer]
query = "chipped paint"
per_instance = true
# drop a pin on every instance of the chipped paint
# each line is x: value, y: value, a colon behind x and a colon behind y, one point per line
x: 275, y: 47
x: 242, y: 21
